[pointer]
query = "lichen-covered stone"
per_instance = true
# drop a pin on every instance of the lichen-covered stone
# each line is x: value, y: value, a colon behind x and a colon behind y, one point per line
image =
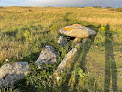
x: 11, y: 73
x: 68, y: 56
x: 48, y: 55
x: 77, y: 30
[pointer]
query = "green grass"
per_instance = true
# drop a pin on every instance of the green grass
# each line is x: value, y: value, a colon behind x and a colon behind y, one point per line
x: 25, y: 31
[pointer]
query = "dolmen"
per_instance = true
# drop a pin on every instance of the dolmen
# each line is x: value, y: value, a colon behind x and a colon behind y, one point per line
x: 76, y: 30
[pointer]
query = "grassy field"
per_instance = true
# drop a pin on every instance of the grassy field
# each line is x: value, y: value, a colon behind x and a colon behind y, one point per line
x: 97, y: 67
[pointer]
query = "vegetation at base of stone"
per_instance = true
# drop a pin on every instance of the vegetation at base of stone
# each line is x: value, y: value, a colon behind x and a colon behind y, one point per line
x: 44, y: 81
x: 25, y: 31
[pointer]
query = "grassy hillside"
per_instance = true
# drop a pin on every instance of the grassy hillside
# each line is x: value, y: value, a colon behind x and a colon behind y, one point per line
x: 24, y: 31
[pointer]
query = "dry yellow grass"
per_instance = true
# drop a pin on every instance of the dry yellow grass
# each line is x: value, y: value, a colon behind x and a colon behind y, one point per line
x: 15, y: 17
x: 21, y: 16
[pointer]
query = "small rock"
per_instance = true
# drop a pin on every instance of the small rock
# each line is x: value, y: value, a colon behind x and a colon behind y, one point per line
x: 78, y: 45
x: 76, y: 40
x: 62, y: 41
x: 11, y: 73
x: 48, y: 55
x: 85, y: 40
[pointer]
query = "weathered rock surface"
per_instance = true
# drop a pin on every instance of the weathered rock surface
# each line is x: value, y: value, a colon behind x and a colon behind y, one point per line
x: 77, y: 30
x: 62, y: 41
x: 68, y: 56
x: 48, y: 55
x: 11, y: 73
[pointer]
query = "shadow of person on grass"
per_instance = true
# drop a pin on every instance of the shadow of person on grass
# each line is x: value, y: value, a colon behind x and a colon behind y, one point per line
x: 110, y: 65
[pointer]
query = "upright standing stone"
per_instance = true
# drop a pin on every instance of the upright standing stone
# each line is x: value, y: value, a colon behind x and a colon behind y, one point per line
x: 62, y: 41
x: 48, y: 55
